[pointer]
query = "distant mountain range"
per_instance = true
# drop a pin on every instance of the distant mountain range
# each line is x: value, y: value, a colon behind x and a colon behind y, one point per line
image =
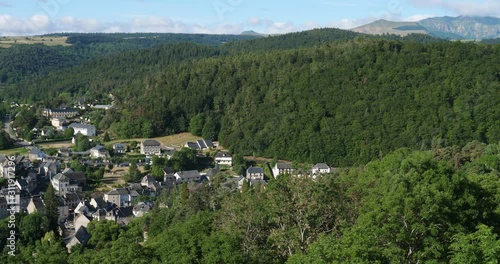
x: 462, y: 27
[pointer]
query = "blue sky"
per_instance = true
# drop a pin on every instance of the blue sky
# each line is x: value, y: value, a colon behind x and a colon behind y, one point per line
x: 29, y: 17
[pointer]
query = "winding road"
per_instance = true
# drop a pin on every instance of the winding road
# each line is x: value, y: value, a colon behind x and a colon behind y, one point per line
x: 8, y: 129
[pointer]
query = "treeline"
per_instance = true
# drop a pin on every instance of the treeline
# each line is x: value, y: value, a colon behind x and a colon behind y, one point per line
x: 93, y: 78
x: 410, y: 206
x: 22, y: 62
x: 150, y: 39
x: 342, y: 104
x: 316, y: 37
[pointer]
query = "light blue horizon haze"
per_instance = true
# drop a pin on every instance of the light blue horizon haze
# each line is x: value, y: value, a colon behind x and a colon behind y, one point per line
x: 32, y: 17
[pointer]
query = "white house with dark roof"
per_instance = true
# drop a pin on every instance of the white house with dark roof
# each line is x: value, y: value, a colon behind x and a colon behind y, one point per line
x: 282, y: 168
x: 321, y: 168
x: 99, y: 152
x: 120, y: 197
x: 224, y: 158
x: 60, y: 112
x: 140, y: 209
x: 150, y: 147
x: 59, y: 122
x: 255, y: 173
x: 187, y: 176
x: 60, y: 183
x: 119, y: 148
x: 84, y: 129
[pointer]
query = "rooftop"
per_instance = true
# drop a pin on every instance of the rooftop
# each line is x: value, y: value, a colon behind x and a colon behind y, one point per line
x: 151, y: 143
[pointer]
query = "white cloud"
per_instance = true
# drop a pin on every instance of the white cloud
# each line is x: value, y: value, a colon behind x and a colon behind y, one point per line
x: 348, y: 23
x: 72, y: 24
x: 417, y: 17
x: 254, y: 21
x: 35, y: 24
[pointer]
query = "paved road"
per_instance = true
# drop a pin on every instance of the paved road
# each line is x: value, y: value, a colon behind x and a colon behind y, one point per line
x: 7, y: 128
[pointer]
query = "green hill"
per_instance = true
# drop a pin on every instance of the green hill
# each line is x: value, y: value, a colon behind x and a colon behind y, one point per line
x: 322, y: 95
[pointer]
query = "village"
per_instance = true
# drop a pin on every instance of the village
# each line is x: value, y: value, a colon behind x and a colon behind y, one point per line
x: 97, y: 179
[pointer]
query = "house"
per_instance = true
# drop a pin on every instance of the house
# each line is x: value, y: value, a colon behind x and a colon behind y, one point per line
x: 22, y: 184
x: 60, y: 183
x: 99, y: 152
x: 187, y: 176
x: 321, y: 168
x: 140, y: 209
x: 81, y: 208
x: 47, y: 132
x: 282, y: 168
x: 192, y: 145
x: 64, y: 152
x: 82, y: 220
x: 77, y: 178
x: 121, y: 215
x: 211, y: 173
x: 151, y: 184
x: 150, y: 147
x: 81, y: 237
x: 169, y: 178
x: 224, y: 158
x: 36, y: 205
x: 120, y: 197
x: 119, y: 148
x: 103, y: 107
x: 72, y: 200
x: 15, y: 198
x: 7, y: 167
x: 62, y: 209
x: 200, y: 144
x: 59, y: 122
x: 205, y: 144
x: 241, y: 181
x: 255, y: 173
x: 61, y: 112
x: 36, y: 154
x: 49, y: 168
x: 84, y: 129
x: 169, y: 153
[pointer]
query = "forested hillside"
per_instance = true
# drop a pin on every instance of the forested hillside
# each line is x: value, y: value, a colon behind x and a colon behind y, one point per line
x: 409, y: 207
x: 27, y: 61
x: 344, y: 102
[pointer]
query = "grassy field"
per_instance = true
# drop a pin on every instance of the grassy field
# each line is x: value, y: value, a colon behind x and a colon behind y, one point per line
x: 13, y: 151
x: 57, y: 145
x: 7, y: 42
x: 115, y: 177
x: 177, y: 140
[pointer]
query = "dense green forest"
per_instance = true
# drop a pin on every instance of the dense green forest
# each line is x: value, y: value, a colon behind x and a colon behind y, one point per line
x: 345, y: 102
x: 438, y: 206
x: 411, y: 122
x: 24, y: 61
